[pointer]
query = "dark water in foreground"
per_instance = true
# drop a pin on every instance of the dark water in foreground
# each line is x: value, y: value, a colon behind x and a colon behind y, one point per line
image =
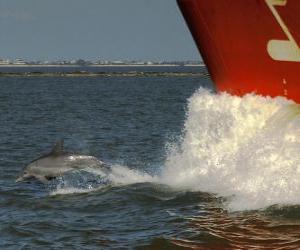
x: 128, y: 123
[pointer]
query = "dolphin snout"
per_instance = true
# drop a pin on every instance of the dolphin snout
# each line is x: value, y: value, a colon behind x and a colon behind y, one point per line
x: 19, y: 179
x: 23, y: 177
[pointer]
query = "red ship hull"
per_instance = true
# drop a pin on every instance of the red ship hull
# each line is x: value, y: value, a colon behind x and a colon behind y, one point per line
x: 248, y: 46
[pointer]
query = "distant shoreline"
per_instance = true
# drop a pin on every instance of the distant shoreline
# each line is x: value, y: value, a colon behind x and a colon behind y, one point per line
x: 96, y: 65
x: 100, y: 74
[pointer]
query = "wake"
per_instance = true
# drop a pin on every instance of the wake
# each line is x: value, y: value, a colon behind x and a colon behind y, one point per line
x: 245, y: 149
x: 92, y: 179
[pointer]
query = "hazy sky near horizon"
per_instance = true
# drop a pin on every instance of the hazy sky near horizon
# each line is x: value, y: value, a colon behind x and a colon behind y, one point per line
x: 91, y: 29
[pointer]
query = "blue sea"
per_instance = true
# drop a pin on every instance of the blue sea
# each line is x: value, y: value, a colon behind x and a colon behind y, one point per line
x: 188, y: 168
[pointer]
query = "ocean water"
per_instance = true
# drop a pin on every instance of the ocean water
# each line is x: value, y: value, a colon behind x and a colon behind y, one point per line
x: 189, y: 169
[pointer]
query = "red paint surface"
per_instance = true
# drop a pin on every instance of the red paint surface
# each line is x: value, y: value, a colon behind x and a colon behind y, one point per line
x: 232, y: 36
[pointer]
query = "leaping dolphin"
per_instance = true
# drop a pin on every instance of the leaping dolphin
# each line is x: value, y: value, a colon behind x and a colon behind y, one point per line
x: 56, y: 163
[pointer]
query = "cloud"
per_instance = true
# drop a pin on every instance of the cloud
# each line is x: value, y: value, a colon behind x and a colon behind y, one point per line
x: 17, y: 15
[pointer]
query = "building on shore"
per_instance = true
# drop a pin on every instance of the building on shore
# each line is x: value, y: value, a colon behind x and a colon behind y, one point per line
x: 4, y: 61
x: 19, y: 61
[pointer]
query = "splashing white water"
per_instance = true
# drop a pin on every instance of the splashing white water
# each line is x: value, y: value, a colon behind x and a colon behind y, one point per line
x: 248, y: 147
x: 79, y: 181
x: 71, y: 190
x: 125, y: 176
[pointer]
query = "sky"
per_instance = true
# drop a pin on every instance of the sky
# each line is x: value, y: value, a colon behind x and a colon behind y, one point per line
x: 94, y: 29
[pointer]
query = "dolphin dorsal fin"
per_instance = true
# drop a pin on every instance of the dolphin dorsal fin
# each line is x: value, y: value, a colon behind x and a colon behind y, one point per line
x: 58, y: 149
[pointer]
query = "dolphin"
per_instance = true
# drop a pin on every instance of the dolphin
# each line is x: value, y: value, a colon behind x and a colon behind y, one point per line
x: 56, y: 163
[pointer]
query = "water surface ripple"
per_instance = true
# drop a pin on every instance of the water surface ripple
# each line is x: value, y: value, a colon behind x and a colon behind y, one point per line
x: 130, y: 123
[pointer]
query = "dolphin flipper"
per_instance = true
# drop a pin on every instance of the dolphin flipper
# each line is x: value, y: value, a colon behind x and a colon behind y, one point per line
x: 42, y: 179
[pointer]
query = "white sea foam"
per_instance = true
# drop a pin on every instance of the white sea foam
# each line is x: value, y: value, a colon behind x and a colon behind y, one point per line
x: 118, y: 175
x: 248, y: 148
x: 71, y: 190
x: 122, y: 175
x: 125, y: 176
